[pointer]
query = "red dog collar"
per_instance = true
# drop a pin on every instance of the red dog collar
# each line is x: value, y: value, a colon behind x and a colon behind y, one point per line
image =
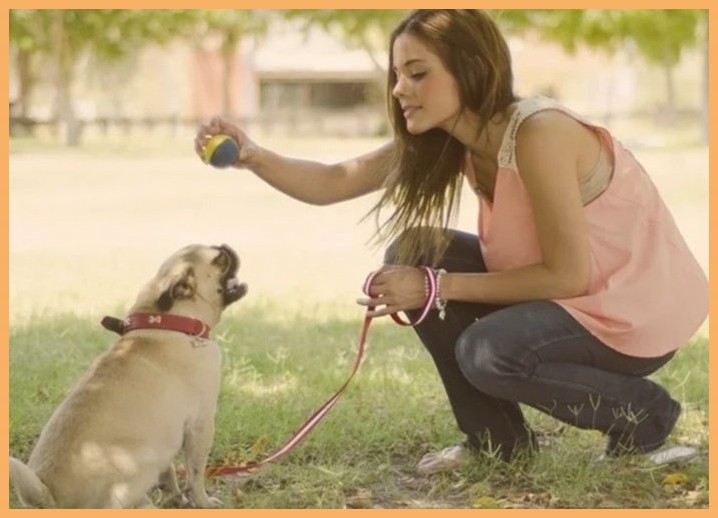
x: 186, y: 325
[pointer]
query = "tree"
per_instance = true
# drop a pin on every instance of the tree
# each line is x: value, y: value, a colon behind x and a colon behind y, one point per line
x: 660, y: 36
x: 231, y: 26
x: 63, y: 37
x: 29, y: 32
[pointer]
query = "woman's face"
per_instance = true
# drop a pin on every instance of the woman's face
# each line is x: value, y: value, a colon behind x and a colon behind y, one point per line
x: 427, y: 92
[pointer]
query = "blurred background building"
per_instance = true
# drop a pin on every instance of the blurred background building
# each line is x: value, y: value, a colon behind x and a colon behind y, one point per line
x: 294, y: 81
x: 292, y: 77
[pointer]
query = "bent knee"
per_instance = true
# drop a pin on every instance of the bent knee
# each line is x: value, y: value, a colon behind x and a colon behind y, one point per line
x: 483, y: 360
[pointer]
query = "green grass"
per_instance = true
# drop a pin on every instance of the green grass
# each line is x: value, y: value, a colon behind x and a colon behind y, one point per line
x: 291, y: 343
x: 280, y: 364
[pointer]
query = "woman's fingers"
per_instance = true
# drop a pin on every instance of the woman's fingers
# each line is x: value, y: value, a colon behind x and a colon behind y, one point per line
x: 394, y: 289
x: 372, y: 301
x: 378, y: 307
x: 200, y: 139
x: 204, y: 133
x: 215, y: 126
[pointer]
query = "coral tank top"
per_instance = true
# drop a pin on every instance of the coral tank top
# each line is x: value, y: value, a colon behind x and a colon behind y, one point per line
x: 647, y: 293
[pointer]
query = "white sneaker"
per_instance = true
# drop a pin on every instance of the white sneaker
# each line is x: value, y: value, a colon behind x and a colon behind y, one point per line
x: 447, y: 459
x: 674, y: 454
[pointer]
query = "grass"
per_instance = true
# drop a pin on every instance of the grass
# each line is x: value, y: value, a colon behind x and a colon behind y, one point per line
x: 280, y: 365
x: 292, y: 341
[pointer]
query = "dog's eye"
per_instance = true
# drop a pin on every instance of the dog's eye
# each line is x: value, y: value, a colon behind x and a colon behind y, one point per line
x: 222, y: 261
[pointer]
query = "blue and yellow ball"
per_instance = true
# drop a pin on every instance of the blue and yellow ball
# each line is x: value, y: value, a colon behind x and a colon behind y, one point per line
x: 221, y: 151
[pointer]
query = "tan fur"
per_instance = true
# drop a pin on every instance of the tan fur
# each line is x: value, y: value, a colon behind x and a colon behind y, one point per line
x: 153, y: 394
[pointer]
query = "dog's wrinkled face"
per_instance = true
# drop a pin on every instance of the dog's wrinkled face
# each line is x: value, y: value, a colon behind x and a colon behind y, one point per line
x: 200, y: 273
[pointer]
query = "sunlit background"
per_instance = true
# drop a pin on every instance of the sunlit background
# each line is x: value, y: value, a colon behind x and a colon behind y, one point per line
x: 104, y: 104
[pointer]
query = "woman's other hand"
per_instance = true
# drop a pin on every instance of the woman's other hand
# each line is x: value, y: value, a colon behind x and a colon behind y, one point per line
x: 394, y: 289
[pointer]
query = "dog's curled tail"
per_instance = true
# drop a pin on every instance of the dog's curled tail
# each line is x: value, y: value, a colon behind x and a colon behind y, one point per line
x: 28, y: 486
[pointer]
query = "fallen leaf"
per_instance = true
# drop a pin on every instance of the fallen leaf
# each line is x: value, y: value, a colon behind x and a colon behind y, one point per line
x: 485, y: 502
x: 607, y: 504
x: 258, y: 447
x: 675, y: 479
x: 362, y: 499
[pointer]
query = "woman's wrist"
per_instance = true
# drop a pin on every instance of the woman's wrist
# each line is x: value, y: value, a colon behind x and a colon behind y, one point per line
x: 256, y: 161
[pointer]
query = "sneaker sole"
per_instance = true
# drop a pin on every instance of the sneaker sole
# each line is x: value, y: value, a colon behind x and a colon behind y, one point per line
x: 673, y: 455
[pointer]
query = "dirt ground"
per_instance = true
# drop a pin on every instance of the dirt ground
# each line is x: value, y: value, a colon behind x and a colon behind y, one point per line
x: 87, y: 228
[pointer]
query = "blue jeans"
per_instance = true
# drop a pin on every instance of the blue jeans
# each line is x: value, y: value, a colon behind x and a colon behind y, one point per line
x: 491, y: 358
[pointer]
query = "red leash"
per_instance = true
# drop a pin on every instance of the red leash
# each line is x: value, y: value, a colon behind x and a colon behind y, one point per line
x: 310, y: 423
x: 318, y: 414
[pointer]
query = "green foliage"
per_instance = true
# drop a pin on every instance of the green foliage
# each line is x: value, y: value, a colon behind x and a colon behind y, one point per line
x: 660, y: 35
x: 30, y: 29
x: 108, y: 33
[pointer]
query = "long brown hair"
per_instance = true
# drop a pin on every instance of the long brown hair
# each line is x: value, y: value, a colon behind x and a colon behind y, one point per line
x: 424, y: 182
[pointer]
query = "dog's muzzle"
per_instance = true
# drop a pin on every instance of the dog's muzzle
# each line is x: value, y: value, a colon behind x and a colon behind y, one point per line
x: 232, y: 290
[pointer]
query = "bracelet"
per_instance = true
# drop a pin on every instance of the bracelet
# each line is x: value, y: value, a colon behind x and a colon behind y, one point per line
x: 429, y: 294
x: 439, y: 303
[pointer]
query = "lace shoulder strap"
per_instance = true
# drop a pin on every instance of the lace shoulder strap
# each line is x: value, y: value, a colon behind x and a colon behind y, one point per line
x: 524, y: 109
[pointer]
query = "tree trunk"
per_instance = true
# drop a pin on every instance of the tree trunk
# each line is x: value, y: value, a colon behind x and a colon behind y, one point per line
x: 705, y: 97
x: 671, y: 108
x: 229, y: 50
x: 27, y: 81
x: 227, y: 71
x: 20, y: 122
x: 65, y: 117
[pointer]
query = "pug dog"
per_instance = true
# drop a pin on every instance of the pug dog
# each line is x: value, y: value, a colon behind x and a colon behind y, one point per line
x: 152, y: 395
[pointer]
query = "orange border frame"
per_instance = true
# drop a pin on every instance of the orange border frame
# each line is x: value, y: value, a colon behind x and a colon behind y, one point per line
x: 274, y: 4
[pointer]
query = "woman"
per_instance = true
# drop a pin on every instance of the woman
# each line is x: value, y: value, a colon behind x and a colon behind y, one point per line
x: 578, y: 284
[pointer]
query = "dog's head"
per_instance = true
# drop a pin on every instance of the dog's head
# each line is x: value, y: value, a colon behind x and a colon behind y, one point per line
x: 198, y: 280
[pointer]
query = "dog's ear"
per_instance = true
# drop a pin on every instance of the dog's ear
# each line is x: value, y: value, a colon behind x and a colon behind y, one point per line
x: 179, y: 287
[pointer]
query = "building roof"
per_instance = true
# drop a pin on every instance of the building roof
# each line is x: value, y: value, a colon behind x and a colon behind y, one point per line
x: 289, y: 52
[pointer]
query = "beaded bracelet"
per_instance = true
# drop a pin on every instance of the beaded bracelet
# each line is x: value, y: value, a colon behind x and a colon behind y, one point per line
x: 439, y: 303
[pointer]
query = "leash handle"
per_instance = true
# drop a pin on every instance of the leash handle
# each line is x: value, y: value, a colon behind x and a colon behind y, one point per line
x: 431, y: 294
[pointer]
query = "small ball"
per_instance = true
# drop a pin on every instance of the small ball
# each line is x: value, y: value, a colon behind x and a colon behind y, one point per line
x: 221, y: 151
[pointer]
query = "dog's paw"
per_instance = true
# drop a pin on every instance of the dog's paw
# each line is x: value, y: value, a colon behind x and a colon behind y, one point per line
x: 210, y: 502
x: 179, y: 501
x: 201, y: 500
